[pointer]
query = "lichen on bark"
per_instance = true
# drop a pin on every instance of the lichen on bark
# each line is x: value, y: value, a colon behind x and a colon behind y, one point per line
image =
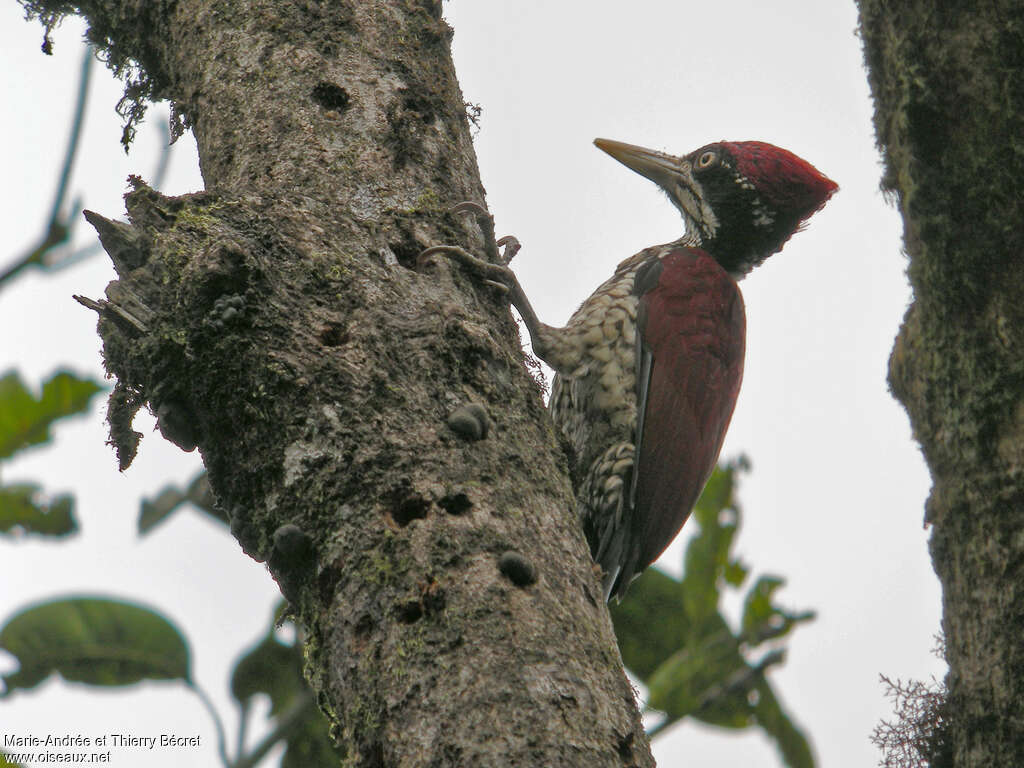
x: 948, y: 84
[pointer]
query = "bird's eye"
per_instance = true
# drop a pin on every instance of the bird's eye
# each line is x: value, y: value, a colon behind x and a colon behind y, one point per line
x: 707, y: 159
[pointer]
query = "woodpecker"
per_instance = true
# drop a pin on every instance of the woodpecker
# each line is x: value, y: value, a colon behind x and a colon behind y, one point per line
x: 648, y: 369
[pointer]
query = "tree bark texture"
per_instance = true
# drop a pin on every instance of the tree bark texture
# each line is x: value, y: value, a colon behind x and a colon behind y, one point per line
x: 948, y: 83
x: 280, y: 321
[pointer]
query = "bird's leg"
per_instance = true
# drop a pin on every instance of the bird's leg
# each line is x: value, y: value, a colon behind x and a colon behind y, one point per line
x: 499, y: 275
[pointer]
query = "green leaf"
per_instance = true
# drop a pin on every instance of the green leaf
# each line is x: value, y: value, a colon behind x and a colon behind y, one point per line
x: 716, y: 496
x: 693, y: 677
x: 272, y: 668
x: 155, y: 511
x: 673, y: 637
x: 762, y: 620
x: 714, y: 683
x: 735, y: 573
x: 707, y: 558
x: 651, y: 622
x: 152, y: 512
x: 275, y: 669
x: 730, y: 703
x: 93, y: 640
x: 795, y: 749
x: 758, y: 608
x: 26, y: 421
x: 22, y: 510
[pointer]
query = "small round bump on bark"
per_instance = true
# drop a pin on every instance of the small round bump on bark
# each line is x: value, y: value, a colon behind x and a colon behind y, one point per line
x: 470, y: 420
x: 292, y: 543
x: 517, y: 569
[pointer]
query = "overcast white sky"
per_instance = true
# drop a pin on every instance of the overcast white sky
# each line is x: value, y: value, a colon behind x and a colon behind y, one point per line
x: 835, y: 500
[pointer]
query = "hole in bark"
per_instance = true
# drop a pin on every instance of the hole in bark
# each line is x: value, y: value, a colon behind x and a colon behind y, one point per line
x: 407, y: 252
x: 410, y: 612
x: 412, y: 508
x: 376, y: 756
x: 456, y: 504
x: 333, y: 335
x: 362, y: 631
x: 433, y: 599
x: 414, y: 102
x: 327, y: 580
x: 364, y: 626
x: 626, y: 746
x: 330, y: 96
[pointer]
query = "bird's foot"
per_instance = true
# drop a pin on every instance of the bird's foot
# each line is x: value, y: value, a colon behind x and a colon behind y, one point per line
x: 498, y: 275
x: 495, y: 274
x: 509, y: 246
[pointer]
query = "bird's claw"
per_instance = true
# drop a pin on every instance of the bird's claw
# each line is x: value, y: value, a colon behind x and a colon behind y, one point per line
x: 468, y: 206
x: 500, y: 286
x: 496, y: 274
x: 510, y: 247
x: 493, y: 274
x: 505, y: 248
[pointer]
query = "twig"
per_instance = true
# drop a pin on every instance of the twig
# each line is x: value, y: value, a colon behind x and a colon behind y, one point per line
x: 58, y: 228
x: 103, y: 305
x: 217, y: 723
x: 286, y: 724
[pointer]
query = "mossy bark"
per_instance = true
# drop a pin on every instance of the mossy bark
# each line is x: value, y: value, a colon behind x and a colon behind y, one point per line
x: 948, y: 83
x: 280, y: 321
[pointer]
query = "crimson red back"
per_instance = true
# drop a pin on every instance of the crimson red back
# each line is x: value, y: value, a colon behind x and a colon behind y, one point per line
x: 693, y: 325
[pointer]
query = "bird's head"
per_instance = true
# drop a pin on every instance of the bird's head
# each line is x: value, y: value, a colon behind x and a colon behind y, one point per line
x: 741, y: 200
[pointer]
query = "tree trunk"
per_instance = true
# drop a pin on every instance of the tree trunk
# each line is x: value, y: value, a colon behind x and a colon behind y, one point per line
x: 280, y: 322
x: 949, y: 95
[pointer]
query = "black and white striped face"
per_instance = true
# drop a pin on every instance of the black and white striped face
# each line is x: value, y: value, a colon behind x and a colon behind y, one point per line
x: 675, y: 176
x: 740, y: 201
x: 748, y: 226
x: 761, y: 195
